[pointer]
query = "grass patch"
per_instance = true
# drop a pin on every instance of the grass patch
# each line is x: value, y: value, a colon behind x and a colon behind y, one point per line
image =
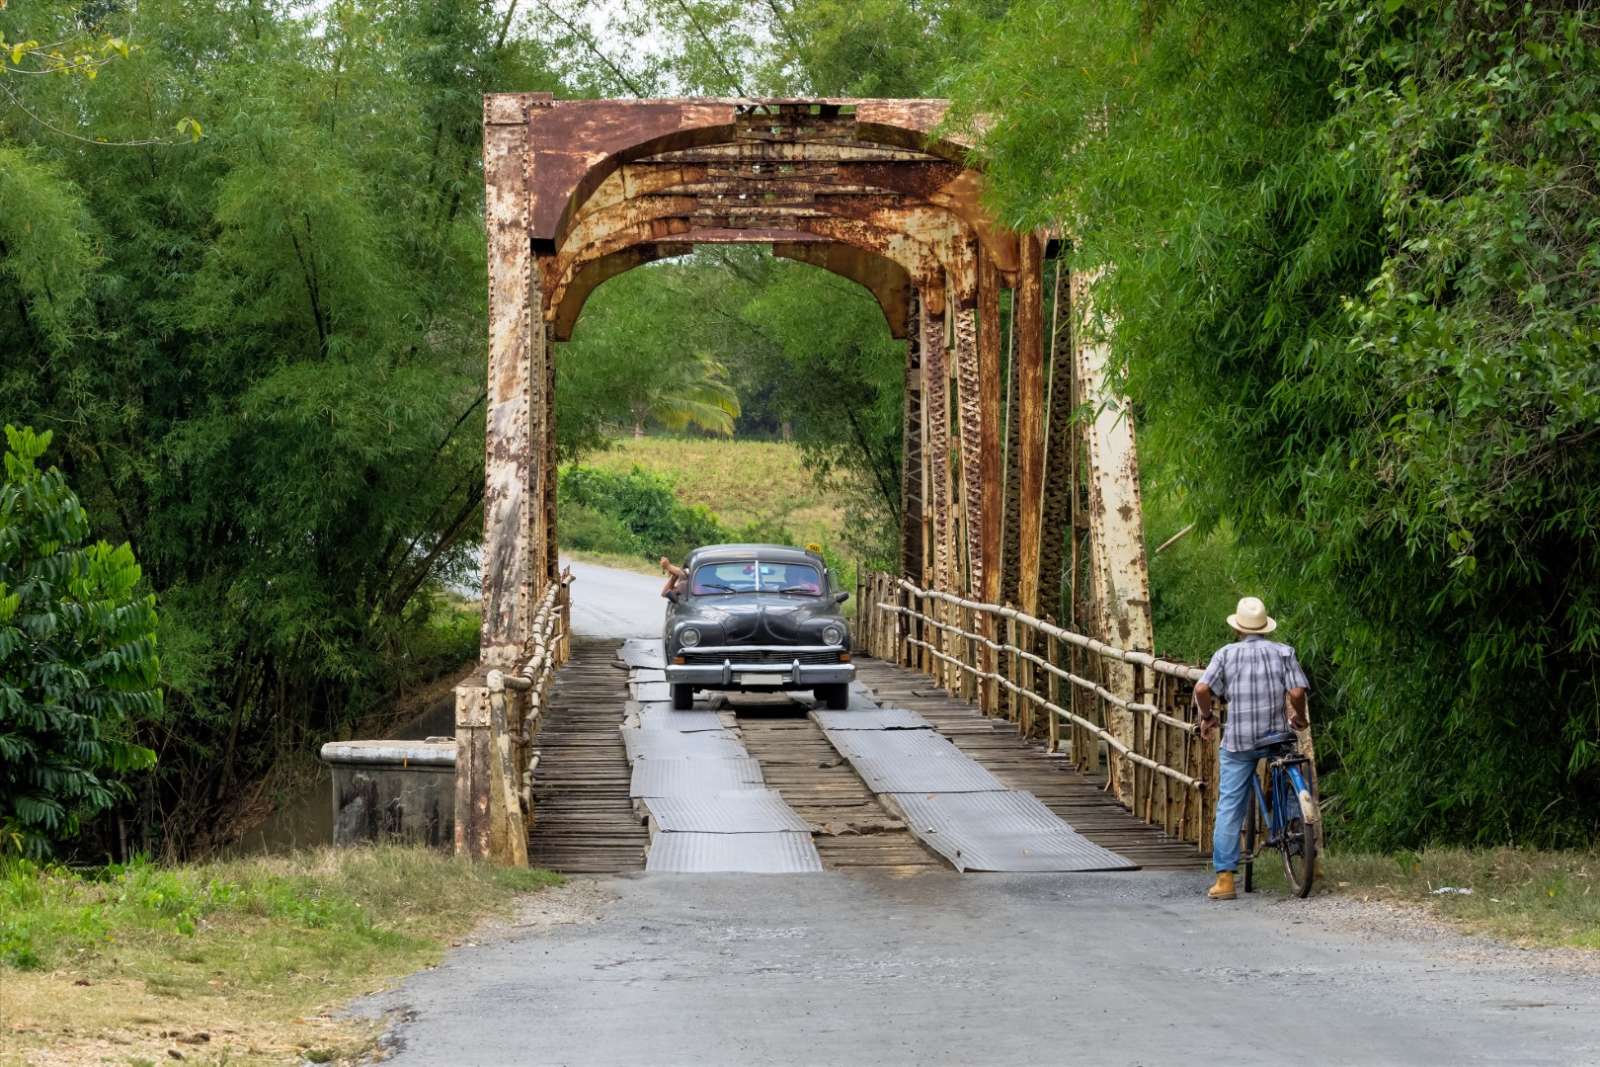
x: 743, y: 483
x: 232, y: 961
x: 1527, y: 896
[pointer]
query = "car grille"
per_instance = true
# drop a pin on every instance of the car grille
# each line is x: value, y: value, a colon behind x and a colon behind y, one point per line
x: 756, y: 655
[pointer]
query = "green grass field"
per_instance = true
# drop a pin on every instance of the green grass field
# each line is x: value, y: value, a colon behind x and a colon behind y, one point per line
x: 1534, y: 897
x: 236, y: 961
x: 740, y: 481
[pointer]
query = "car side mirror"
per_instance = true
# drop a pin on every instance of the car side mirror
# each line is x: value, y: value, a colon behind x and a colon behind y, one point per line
x: 840, y: 597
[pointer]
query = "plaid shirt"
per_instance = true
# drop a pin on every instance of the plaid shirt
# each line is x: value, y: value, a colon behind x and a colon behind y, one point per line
x: 1254, y: 675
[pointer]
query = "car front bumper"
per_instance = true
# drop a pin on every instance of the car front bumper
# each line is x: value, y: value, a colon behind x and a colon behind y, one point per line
x: 747, y: 667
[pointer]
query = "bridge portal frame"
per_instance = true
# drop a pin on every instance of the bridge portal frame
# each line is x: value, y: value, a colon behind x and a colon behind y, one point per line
x: 580, y: 191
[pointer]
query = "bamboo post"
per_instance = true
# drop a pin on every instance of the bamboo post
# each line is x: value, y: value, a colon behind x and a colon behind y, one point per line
x: 1015, y: 708
x: 976, y: 658
x: 1052, y: 653
x: 508, y: 838
x: 908, y: 628
x: 1141, y: 779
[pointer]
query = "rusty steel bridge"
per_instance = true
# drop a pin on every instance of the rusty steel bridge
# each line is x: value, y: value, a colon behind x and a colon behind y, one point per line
x: 1022, y: 598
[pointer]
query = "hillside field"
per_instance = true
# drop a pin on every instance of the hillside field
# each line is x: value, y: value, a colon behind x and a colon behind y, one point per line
x: 739, y: 481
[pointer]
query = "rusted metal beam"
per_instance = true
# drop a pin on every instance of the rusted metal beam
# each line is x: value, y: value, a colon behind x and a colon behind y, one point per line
x: 1121, y: 577
x: 985, y: 522
x: 924, y: 240
x: 1010, y: 547
x: 886, y: 280
x: 579, y: 143
x: 551, y: 561
x: 1059, y: 477
x: 512, y: 512
x: 940, y: 561
x: 1028, y: 326
x: 911, y: 436
x: 596, y: 272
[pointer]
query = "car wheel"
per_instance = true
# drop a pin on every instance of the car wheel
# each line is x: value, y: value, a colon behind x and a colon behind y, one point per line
x: 682, y: 697
x: 836, y: 696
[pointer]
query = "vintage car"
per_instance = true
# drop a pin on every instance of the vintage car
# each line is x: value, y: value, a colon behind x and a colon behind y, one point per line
x: 760, y: 618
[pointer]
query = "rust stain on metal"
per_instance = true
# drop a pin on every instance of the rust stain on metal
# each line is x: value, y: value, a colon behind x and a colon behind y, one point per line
x: 1120, y: 574
x: 885, y: 279
x: 579, y: 191
x: 1028, y: 328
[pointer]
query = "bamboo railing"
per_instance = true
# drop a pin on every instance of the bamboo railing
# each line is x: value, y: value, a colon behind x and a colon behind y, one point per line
x: 1052, y: 683
x: 516, y: 703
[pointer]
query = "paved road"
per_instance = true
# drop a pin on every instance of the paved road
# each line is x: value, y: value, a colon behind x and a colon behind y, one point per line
x: 943, y: 968
x: 611, y: 603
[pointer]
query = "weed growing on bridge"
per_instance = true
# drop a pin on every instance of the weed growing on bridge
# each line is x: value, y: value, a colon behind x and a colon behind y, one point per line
x: 247, y: 952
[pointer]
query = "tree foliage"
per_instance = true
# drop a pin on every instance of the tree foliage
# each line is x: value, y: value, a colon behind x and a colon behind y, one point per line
x: 799, y: 353
x: 78, y: 664
x: 1351, y: 252
x: 261, y: 352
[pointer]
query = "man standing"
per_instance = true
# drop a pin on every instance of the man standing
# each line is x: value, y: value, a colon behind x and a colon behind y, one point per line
x: 1254, y: 676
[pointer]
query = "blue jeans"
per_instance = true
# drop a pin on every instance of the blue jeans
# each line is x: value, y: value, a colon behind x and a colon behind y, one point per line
x: 1233, y: 793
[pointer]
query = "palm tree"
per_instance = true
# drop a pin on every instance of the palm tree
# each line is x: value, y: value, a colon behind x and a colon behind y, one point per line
x: 689, y: 391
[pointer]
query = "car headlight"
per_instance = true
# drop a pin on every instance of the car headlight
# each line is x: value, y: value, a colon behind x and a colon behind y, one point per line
x: 833, y: 634
x: 688, y: 637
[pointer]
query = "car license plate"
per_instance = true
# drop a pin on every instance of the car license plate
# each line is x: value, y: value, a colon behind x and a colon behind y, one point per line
x: 761, y: 679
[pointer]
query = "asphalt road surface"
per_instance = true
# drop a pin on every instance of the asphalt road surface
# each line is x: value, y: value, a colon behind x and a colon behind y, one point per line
x: 611, y: 603
x: 943, y: 968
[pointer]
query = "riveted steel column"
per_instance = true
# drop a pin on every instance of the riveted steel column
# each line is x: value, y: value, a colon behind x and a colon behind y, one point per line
x: 939, y: 566
x: 985, y: 488
x: 514, y: 445
x: 1028, y: 414
x: 911, y: 448
x: 1121, y: 578
x: 1060, y: 479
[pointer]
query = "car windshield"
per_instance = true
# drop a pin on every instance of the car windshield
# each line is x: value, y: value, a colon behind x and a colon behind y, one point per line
x: 757, y: 576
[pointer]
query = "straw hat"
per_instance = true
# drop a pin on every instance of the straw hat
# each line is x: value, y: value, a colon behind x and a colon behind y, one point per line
x: 1251, y: 617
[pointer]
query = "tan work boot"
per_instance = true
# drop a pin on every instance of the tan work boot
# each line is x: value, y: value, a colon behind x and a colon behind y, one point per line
x: 1223, y: 890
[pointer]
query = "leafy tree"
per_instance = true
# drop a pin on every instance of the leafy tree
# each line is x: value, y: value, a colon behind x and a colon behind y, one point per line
x: 632, y: 361
x: 262, y: 351
x: 808, y: 355
x: 78, y: 664
x: 1350, y: 252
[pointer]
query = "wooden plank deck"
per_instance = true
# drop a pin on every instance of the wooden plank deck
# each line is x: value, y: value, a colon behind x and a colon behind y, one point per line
x: 584, y: 822
x: 1022, y: 764
x: 853, y: 829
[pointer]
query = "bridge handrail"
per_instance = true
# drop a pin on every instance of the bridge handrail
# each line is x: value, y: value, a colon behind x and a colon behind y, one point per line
x: 1099, y: 690
x: 1083, y: 641
x: 1086, y: 691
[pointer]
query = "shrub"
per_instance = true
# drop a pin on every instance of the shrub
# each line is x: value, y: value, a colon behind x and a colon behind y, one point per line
x: 588, y: 529
x: 77, y: 658
x: 644, y: 504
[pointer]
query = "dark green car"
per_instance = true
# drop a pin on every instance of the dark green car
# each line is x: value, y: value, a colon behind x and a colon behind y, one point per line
x: 759, y: 618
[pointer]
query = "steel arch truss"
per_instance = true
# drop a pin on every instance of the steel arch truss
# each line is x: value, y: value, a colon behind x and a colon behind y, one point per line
x: 580, y: 191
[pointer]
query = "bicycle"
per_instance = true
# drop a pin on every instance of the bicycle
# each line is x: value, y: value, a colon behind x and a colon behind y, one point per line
x: 1291, y: 813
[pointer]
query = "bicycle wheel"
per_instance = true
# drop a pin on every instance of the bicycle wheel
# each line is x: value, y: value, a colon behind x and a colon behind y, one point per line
x: 1248, y: 854
x: 1298, y: 843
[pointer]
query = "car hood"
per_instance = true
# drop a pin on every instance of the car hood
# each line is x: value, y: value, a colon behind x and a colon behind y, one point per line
x: 763, y: 619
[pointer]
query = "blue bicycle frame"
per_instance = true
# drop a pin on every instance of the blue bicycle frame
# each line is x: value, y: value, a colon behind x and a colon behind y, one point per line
x: 1287, y: 784
x: 1291, y: 817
